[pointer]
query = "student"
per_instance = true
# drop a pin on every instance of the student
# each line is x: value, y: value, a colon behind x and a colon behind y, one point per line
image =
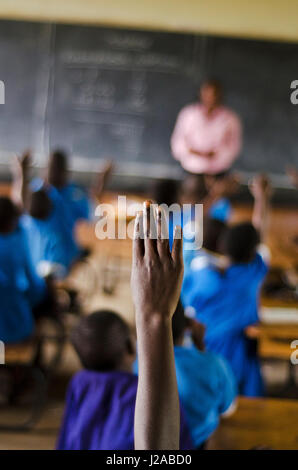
x: 21, y: 289
x: 206, y: 384
x: 100, y: 403
x: 109, y: 348
x: 226, y: 300
x: 76, y: 201
x: 212, y: 193
x: 209, y: 254
x: 46, y: 223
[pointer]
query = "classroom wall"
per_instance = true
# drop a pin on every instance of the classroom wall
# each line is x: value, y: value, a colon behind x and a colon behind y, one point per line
x: 268, y: 19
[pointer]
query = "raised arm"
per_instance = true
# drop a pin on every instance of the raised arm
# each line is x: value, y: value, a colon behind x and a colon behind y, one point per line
x: 261, y: 190
x: 20, y: 181
x: 101, y: 180
x: 156, y: 283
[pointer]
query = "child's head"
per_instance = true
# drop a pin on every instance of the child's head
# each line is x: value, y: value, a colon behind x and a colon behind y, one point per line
x: 213, y: 230
x: 58, y: 169
x: 240, y: 242
x: 103, y: 342
x: 40, y: 205
x: 8, y: 215
x: 165, y: 192
x: 193, y: 189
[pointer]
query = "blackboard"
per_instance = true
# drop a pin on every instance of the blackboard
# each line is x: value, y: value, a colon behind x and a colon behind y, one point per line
x: 102, y: 92
x: 24, y: 70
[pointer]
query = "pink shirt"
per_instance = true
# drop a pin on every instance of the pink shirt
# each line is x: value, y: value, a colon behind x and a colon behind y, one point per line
x: 220, y: 133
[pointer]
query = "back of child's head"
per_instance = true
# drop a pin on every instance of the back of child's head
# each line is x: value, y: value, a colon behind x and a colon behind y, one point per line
x: 165, y: 192
x: 240, y: 242
x: 101, y: 340
x: 57, y: 168
x: 179, y: 323
x: 193, y: 189
x: 8, y: 215
x: 213, y: 230
x: 40, y: 205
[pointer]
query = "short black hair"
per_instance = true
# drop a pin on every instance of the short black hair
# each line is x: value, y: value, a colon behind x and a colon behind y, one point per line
x: 101, y: 340
x: 9, y: 214
x: 213, y: 230
x: 165, y: 191
x: 240, y: 241
x: 59, y: 159
x: 40, y: 205
x: 179, y: 322
x: 193, y: 188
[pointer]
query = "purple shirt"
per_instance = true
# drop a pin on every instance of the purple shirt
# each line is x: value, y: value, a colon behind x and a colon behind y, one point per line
x: 99, y: 413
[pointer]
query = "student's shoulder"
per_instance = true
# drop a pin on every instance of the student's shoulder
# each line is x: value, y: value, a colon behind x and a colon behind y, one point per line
x: 86, y: 377
x: 75, y: 191
x: 260, y: 264
x: 205, y: 271
x: 215, y: 362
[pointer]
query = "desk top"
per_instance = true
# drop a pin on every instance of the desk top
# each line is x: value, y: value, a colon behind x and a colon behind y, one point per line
x: 259, y: 422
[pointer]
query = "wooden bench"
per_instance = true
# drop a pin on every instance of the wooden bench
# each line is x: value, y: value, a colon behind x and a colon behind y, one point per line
x: 21, y: 358
x: 259, y: 423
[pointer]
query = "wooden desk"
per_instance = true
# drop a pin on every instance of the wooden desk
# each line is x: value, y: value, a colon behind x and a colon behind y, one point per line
x: 259, y: 422
x: 278, y: 328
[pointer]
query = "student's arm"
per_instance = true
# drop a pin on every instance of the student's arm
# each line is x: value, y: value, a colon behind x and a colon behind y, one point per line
x: 20, y: 181
x: 101, y: 180
x: 156, y: 283
x: 261, y: 191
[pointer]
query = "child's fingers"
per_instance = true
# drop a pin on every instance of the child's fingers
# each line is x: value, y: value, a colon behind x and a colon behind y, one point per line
x: 149, y: 229
x: 162, y: 234
x: 177, y: 248
x: 138, y: 239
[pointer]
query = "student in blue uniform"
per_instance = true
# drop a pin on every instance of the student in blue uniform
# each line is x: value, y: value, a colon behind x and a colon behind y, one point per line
x: 206, y: 384
x: 78, y: 204
x: 21, y: 289
x: 212, y: 192
x: 100, y: 403
x: 46, y: 222
x: 182, y: 200
x: 226, y: 299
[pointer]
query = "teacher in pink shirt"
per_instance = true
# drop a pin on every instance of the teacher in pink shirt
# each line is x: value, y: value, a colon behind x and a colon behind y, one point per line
x: 207, y: 135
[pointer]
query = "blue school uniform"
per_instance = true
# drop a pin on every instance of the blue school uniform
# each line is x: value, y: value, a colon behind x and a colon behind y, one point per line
x: 207, y: 388
x: 51, y: 242
x: 73, y: 200
x: 20, y: 287
x: 99, y: 413
x: 76, y: 202
x: 221, y: 210
x: 227, y: 303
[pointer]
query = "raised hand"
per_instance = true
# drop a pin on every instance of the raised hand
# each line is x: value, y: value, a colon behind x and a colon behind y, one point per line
x: 156, y: 282
x: 156, y: 272
x: 260, y: 187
